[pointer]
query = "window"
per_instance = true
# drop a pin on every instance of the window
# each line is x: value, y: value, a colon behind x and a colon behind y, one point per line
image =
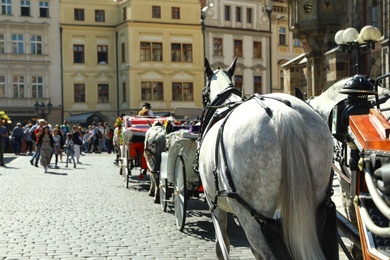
x: 187, y: 49
x: 17, y: 44
x: 78, y: 53
x: 238, y: 81
x: 281, y: 78
x: 123, y: 52
x: 103, y: 93
x: 175, y: 12
x: 182, y: 91
x: 238, y: 48
x: 238, y: 14
x: 102, y: 54
x: 282, y: 35
x: 151, y: 51
x: 44, y: 9
x: 100, y: 16
x: 124, y: 14
x: 2, y: 86
x: 124, y: 95
x: 24, y: 8
x: 375, y: 13
x: 36, y: 44
x: 18, y: 85
x: 249, y: 15
x: 217, y: 48
x: 151, y: 90
x: 297, y: 42
x: 79, y: 14
x: 257, y: 50
x: 79, y: 93
x: 37, y: 87
x: 227, y: 13
x: 257, y: 85
x: 6, y: 7
x: 156, y: 11
x: 181, y: 52
x: 2, y: 48
x: 145, y: 51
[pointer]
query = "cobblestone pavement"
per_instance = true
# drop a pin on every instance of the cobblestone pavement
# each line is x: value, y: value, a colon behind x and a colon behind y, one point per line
x: 87, y: 212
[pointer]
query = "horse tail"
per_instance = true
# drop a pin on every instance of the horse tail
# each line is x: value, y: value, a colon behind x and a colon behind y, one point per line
x: 297, y: 200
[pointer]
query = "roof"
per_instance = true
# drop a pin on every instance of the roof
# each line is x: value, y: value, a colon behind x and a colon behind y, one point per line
x: 299, y: 59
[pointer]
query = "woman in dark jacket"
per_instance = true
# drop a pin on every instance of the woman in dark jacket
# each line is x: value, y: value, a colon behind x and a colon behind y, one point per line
x: 46, y: 143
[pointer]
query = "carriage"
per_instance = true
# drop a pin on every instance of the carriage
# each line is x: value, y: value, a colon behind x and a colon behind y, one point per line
x: 361, y: 130
x: 132, y: 147
x: 178, y: 181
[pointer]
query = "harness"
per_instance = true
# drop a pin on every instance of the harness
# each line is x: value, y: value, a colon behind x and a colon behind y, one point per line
x: 271, y: 228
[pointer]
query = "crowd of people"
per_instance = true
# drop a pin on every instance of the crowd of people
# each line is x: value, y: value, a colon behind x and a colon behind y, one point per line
x: 48, y: 144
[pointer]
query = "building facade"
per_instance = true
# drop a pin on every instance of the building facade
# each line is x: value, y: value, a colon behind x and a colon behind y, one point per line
x: 257, y: 35
x: 119, y: 55
x: 324, y: 62
x: 30, y: 67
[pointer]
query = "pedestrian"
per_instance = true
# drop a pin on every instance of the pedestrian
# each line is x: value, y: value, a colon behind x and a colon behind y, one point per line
x: 94, y: 139
x: 57, y: 144
x: 77, y: 143
x: 46, y: 144
x: 102, y: 146
x: 17, y: 135
x: 107, y: 137
x: 38, y: 130
x: 65, y: 128
x: 69, y: 149
x: 28, y: 138
x: 3, y: 139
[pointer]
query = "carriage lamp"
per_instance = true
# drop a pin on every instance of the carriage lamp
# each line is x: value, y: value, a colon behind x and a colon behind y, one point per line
x: 351, y: 40
x: 40, y: 109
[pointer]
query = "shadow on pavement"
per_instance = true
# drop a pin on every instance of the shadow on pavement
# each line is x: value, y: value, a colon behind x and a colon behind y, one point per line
x: 57, y: 173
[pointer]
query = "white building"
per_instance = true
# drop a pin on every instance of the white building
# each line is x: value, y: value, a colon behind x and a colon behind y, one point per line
x: 30, y: 67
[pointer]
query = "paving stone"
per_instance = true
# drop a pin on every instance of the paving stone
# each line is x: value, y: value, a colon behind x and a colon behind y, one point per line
x: 88, y: 213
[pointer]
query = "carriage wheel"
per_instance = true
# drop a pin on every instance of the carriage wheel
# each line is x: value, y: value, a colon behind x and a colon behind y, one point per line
x: 163, y: 194
x: 180, y: 193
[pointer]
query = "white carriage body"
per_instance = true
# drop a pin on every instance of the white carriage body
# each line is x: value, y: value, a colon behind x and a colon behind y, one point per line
x: 181, y: 143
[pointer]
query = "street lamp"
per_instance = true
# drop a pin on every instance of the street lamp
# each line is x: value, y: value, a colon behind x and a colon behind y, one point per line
x: 268, y: 9
x: 351, y: 40
x: 40, y: 109
x: 203, y: 15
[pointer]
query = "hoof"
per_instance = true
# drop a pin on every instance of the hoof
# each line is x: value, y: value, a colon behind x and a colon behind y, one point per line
x: 156, y: 201
x: 151, y: 194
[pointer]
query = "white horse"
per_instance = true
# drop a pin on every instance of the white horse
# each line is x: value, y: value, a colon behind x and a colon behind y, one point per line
x: 325, y: 102
x: 154, y: 145
x: 278, y: 151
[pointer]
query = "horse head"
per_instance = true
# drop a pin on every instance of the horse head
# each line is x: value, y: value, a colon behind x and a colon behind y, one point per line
x: 217, y: 81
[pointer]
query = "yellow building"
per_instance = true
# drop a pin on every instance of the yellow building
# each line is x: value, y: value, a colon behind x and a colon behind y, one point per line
x: 119, y: 55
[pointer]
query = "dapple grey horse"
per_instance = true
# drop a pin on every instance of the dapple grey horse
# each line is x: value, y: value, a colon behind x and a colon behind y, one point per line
x: 278, y: 152
x: 154, y: 145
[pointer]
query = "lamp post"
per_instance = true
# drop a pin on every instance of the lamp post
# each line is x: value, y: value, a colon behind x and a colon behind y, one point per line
x: 203, y: 15
x: 351, y: 40
x: 268, y: 9
x: 40, y: 109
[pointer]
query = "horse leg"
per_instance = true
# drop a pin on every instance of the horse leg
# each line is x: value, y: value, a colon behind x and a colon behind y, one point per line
x: 153, y: 191
x: 152, y: 185
x: 221, y: 217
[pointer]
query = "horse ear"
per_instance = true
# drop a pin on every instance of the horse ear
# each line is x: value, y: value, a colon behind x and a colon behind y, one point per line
x: 150, y: 125
x: 232, y: 67
x: 207, y: 68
